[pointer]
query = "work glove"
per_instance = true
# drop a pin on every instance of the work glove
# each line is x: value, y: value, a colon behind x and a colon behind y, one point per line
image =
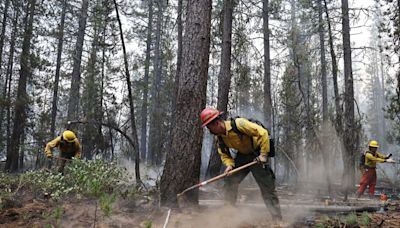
x: 390, y: 155
x: 228, y: 168
x: 390, y: 160
x: 262, y: 158
x: 49, y: 156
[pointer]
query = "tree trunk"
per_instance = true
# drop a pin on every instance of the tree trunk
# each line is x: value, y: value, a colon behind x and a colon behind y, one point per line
x: 91, y: 97
x: 130, y: 98
x: 178, y: 70
x: 10, y: 66
x: 267, y: 67
x: 73, y: 103
x: 58, y: 68
x: 22, y: 97
x: 338, y: 107
x: 155, y: 141
x: 3, y: 33
x: 349, y: 131
x: 224, y: 79
x: 143, y: 138
x: 325, y: 152
x: 182, y: 166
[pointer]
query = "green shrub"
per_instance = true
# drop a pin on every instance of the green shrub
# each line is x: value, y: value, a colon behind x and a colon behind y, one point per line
x: 46, y: 182
x: 350, y: 219
x: 106, y: 202
x: 365, y: 219
x: 95, y: 177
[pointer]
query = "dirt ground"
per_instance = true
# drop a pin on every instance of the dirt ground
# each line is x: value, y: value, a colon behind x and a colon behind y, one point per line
x: 298, y: 211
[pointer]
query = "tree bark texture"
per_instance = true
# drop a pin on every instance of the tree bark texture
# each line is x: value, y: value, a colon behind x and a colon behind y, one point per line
x: 182, y: 166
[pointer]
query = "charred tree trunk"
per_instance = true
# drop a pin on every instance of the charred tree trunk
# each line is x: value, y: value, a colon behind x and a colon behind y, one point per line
x: 73, y: 104
x: 224, y: 79
x: 58, y: 68
x: 143, y: 138
x: 130, y: 98
x: 349, y: 136
x: 182, y: 166
x: 22, y: 97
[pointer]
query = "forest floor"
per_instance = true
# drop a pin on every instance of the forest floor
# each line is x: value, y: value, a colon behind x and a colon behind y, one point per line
x: 30, y: 209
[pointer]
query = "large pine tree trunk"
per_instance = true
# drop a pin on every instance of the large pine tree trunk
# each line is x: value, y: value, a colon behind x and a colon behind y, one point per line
x: 58, y: 68
x: 22, y: 97
x: 143, y: 138
x: 349, y: 136
x: 73, y: 103
x: 224, y: 79
x: 130, y: 99
x: 182, y: 166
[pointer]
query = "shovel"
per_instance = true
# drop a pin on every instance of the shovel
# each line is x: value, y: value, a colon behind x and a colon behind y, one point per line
x: 217, y: 178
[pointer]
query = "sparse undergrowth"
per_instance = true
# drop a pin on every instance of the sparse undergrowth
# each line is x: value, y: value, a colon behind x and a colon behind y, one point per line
x: 100, y: 179
x: 350, y: 220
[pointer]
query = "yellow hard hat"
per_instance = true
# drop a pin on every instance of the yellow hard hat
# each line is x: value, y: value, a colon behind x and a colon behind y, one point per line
x: 69, y: 136
x: 373, y: 143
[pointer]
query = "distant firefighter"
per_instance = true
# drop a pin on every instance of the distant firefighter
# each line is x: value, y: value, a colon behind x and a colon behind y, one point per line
x: 368, y: 162
x: 68, y: 145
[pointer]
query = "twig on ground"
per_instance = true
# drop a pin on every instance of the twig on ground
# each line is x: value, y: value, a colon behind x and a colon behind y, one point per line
x: 166, y: 220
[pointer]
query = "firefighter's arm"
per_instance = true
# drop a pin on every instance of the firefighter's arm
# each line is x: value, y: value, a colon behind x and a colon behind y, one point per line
x: 254, y: 130
x: 225, y: 156
x: 374, y: 158
x: 49, y: 146
x: 380, y: 155
x: 78, y: 152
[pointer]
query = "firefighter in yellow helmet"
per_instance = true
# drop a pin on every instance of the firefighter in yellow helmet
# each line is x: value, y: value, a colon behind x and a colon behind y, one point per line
x: 370, y: 158
x: 68, y: 145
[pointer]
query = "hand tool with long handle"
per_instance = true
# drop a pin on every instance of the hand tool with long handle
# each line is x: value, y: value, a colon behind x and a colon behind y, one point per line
x: 217, y: 177
x: 61, y: 158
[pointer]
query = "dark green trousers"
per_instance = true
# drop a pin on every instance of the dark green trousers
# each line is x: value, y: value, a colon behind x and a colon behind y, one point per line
x: 63, y: 162
x: 265, y: 179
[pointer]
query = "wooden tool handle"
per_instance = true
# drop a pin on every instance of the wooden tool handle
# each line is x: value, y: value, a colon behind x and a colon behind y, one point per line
x: 218, y: 177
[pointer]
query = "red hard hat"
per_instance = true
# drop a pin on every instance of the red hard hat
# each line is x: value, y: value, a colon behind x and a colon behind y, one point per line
x: 208, y: 115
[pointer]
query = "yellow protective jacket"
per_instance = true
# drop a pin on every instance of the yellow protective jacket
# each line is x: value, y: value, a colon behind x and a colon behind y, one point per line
x: 74, y: 147
x: 371, y: 160
x: 243, y: 145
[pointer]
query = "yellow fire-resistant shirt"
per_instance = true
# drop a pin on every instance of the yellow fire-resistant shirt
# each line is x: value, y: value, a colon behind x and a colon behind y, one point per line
x: 74, y: 147
x: 371, y: 160
x: 243, y: 145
